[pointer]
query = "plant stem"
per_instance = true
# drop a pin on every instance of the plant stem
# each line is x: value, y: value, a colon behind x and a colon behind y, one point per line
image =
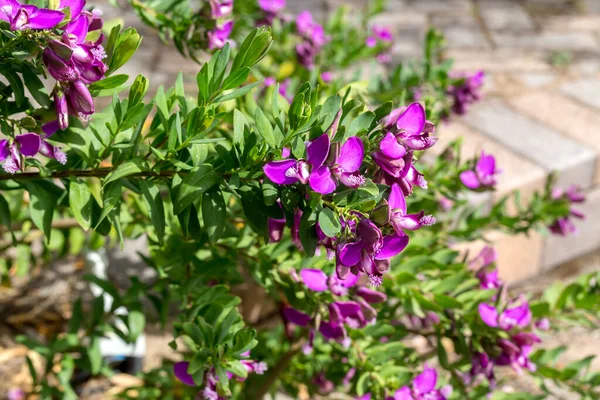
x: 98, y: 173
x: 280, y: 367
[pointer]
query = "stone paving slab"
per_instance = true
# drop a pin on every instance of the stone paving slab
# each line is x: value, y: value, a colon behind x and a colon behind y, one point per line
x: 566, y: 116
x: 586, y: 90
x: 539, y: 143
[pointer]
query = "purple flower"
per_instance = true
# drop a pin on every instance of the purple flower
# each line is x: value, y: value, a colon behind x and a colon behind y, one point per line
x: 484, y: 175
x: 543, y: 324
x: 180, y: 371
x: 564, y: 226
x: 371, y: 296
x: 296, y: 317
x: 327, y: 76
x: 423, y: 388
x: 272, y: 6
x: 466, y: 93
x: 22, y: 17
x: 16, y: 394
x: 372, y: 251
x: 218, y: 37
x: 314, y: 279
x: 486, y: 256
x: 310, y: 30
x: 518, y: 316
x: 276, y: 227
x: 409, y: 126
x: 313, y: 171
x: 516, y: 352
x: 80, y: 100
x: 26, y: 145
x: 399, y: 218
x: 481, y: 365
x: 221, y: 8
x: 488, y: 278
x: 379, y: 33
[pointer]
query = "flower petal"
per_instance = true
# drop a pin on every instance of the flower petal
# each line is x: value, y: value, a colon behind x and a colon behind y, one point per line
x: 347, y: 308
x: 392, y: 245
x: 29, y: 144
x: 320, y: 180
x: 349, y: 281
x: 469, y: 179
x: 488, y: 314
x: 296, y: 317
x: 78, y: 27
x: 397, y: 201
x: 44, y: 19
x: 351, y: 155
x: 75, y: 6
x: 486, y: 164
x: 332, y: 330
x: 180, y: 370
x: 4, y: 152
x: 276, y: 171
x: 350, y: 253
x: 391, y: 148
x: 403, y: 394
x: 317, y: 151
x: 425, y: 382
x: 314, y: 279
x: 412, y: 120
x: 371, y: 296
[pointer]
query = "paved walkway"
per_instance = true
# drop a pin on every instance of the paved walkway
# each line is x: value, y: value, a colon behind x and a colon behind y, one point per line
x: 542, y: 106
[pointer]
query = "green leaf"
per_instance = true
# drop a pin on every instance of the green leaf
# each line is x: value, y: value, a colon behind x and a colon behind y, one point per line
x: 151, y: 194
x: 236, y: 78
x: 105, y: 84
x: 126, y: 45
x: 265, y: 129
x: 36, y: 87
x: 235, y: 93
x: 194, y: 332
x: 329, y: 222
x: 138, y: 90
x: 198, y: 181
x: 214, y: 213
x: 128, y: 168
x: 15, y: 84
x: 136, y: 322
x: 239, y: 124
x: 94, y: 355
x: 237, y: 368
x: 243, y: 340
x: 162, y: 106
x: 308, y: 233
x: 5, y: 219
x: 81, y: 202
x: 110, y: 199
x: 41, y: 207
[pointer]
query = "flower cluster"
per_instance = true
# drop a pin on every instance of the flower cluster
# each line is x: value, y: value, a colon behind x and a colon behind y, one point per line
x: 354, y: 313
x: 313, y: 36
x: 485, y: 270
x: 221, y: 12
x: 423, y: 388
x: 365, y: 246
x: 209, y: 392
x: 271, y: 8
x: 483, y: 176
x: 75, y: 60
x: 28, y: 145
x: 380, y: 36
x: 407, y: 131
x: 564, y: 226
x: 467, y: 92
x: 21, y: 17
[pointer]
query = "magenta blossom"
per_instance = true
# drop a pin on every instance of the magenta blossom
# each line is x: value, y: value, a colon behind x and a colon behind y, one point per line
x: 221, y: 8
x: 410, y: 128
x: 423, y: 388
x: 219, y: 36
x: 564, y: 226
x: 515, y: 352
x: 487, y: 275
x: 310, y: 30
x: 21, y: 17
x: 379, y: 33
x: 466, y: 93
x: 314, y: 170
x: 317, y: 281
x: 27, y: 145
x: 518, y: 316
x: 371, y: 252
x: 272, y: 6
x: 399, y: 218
x: 484, y: 175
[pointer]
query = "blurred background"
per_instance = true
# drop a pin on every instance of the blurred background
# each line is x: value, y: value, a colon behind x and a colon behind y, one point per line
x: 540, y: 114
